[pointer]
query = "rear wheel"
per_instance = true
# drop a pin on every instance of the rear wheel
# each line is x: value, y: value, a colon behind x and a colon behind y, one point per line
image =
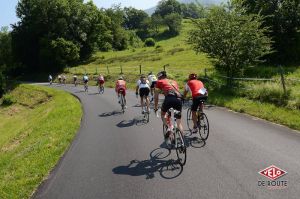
x: 122, y: 101
x: 203, y: 125
x: 180, y: 147
x: 189, y: 120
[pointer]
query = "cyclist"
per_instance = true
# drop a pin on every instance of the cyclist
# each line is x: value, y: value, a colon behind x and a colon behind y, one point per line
x: 152, y: 80
x: 143, y: 88
x: 121, y: 86
x: 59, y: 79
x: 85, y: 80
x: 100, y: 81
x: 75, y: 80
x: 172, y: 100
x: 50, y: 79
x: 196, y: 88
x: 64, y: 79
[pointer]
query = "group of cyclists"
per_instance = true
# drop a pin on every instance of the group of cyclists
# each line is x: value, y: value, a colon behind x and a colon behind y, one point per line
x: 173, y: 98
x: 154, y: 85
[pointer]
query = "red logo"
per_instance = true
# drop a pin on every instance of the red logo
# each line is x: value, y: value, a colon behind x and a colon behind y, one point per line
x: 272, y: 172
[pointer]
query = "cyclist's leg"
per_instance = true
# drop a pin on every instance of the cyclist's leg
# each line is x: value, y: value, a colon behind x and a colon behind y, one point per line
x: 147, y: 99
x: 164, y: 108
x: 177, y: 105
x: 195, y: 105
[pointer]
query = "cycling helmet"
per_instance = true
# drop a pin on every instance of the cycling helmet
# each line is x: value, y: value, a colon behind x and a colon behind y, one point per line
x: 162, y: 74
x: 192, y: 76
x: 120, y: 78
x: 150, y: 73
x: 143, y: 76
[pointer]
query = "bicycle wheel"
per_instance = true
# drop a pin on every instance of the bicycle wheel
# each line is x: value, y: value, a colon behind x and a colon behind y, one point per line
x: 189, y: 119
x: 203, y: 126
x: 122, y: 100
x: 102, y: 89
x: 146, y: 115
x: 180, y: 147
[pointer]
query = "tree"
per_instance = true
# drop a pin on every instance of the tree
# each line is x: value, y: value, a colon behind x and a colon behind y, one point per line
x: 166, y: 7
x: 192, y: 10
x: 6, y: 60
x: 133, y: 18
x: 173, y: 21
x: 283, y: 18
x: 71, y: 24
x: 235, y: 40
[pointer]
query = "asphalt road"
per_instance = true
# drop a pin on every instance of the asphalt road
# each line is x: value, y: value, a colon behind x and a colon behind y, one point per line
x: 116, y: 155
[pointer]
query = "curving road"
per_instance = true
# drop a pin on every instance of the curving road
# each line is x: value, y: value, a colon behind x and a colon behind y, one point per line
x: 118, y: 156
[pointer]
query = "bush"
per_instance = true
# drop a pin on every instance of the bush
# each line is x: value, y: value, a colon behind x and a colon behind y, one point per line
x: 8, y: 100
x: 149, y: 42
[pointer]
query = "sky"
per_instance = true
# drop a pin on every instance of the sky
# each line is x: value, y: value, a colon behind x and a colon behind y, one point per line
x: 8, y: 7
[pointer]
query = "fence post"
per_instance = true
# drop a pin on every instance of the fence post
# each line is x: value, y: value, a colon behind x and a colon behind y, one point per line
x: 107, y: 69
x: 205, y: 72
x: 96, y: 69
x: 140, y: 69
x: 121, y: 69
x: 282, y: 79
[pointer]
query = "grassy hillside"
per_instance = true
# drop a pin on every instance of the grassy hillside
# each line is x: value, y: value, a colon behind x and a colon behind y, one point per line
x: 173, y: 51
x: 34, y: 133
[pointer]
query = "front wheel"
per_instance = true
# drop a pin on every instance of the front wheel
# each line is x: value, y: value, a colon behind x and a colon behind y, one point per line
x: 203, y: 126
x: 122, y: 101
x: 180, y: 147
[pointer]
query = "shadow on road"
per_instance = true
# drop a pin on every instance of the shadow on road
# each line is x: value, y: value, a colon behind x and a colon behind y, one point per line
x: 168, y: 169
x: 108, y: 114
x: 126, y: 123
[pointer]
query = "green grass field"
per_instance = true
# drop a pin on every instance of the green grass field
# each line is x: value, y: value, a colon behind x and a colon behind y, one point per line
x: 35, y: 131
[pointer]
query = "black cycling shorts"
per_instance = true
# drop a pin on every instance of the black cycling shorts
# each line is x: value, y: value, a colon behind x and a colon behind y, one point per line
x: 144, y: 92
x: 85, y: 81
x: 153, y: 84
x: 172, y: 102
x: 197, y: 101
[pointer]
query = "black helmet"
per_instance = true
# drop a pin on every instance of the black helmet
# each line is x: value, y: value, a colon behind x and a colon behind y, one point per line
x: 192, y: 76
x: 150, y: 73
x: 162, y: 74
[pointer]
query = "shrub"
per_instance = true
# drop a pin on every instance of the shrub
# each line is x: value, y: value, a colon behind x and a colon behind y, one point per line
x: 268, y: 92
x: 149, y: 42
x: 175, y: 50
x: 8, y: 100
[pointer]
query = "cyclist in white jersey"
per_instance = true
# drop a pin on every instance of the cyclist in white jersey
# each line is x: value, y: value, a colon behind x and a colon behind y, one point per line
x: 152, y: 80
x: 143, y: 88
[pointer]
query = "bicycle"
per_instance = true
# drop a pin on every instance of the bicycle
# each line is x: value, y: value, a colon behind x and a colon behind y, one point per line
x: 122, y: 99
x: 86, y: 87
x: 202, y: 121
x: 75, y: 83
x: 146, y: 113
x: 101, y: 89
x: 179, y: 143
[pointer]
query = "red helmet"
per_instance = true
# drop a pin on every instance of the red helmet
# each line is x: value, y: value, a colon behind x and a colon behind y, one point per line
x: 193, y: 76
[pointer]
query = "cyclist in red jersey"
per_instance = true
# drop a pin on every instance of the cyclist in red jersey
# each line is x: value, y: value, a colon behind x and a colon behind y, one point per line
x: 172, y: 95
x: 121, y: 88
x: 196, y: 88
x: 101, y: 80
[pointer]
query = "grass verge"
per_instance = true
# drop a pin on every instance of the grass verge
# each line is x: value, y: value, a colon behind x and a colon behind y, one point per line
x: 35, y: 131
x: 270, y: 112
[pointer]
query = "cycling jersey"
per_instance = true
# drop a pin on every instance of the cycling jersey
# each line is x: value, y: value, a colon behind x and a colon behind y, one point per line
x: 121, y: 85
x: 194, y: 87
x: 152, y: 78
x: 169, y: 87
x: 140, y: 84
x: 50, y: 77
x: 85, y: 78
